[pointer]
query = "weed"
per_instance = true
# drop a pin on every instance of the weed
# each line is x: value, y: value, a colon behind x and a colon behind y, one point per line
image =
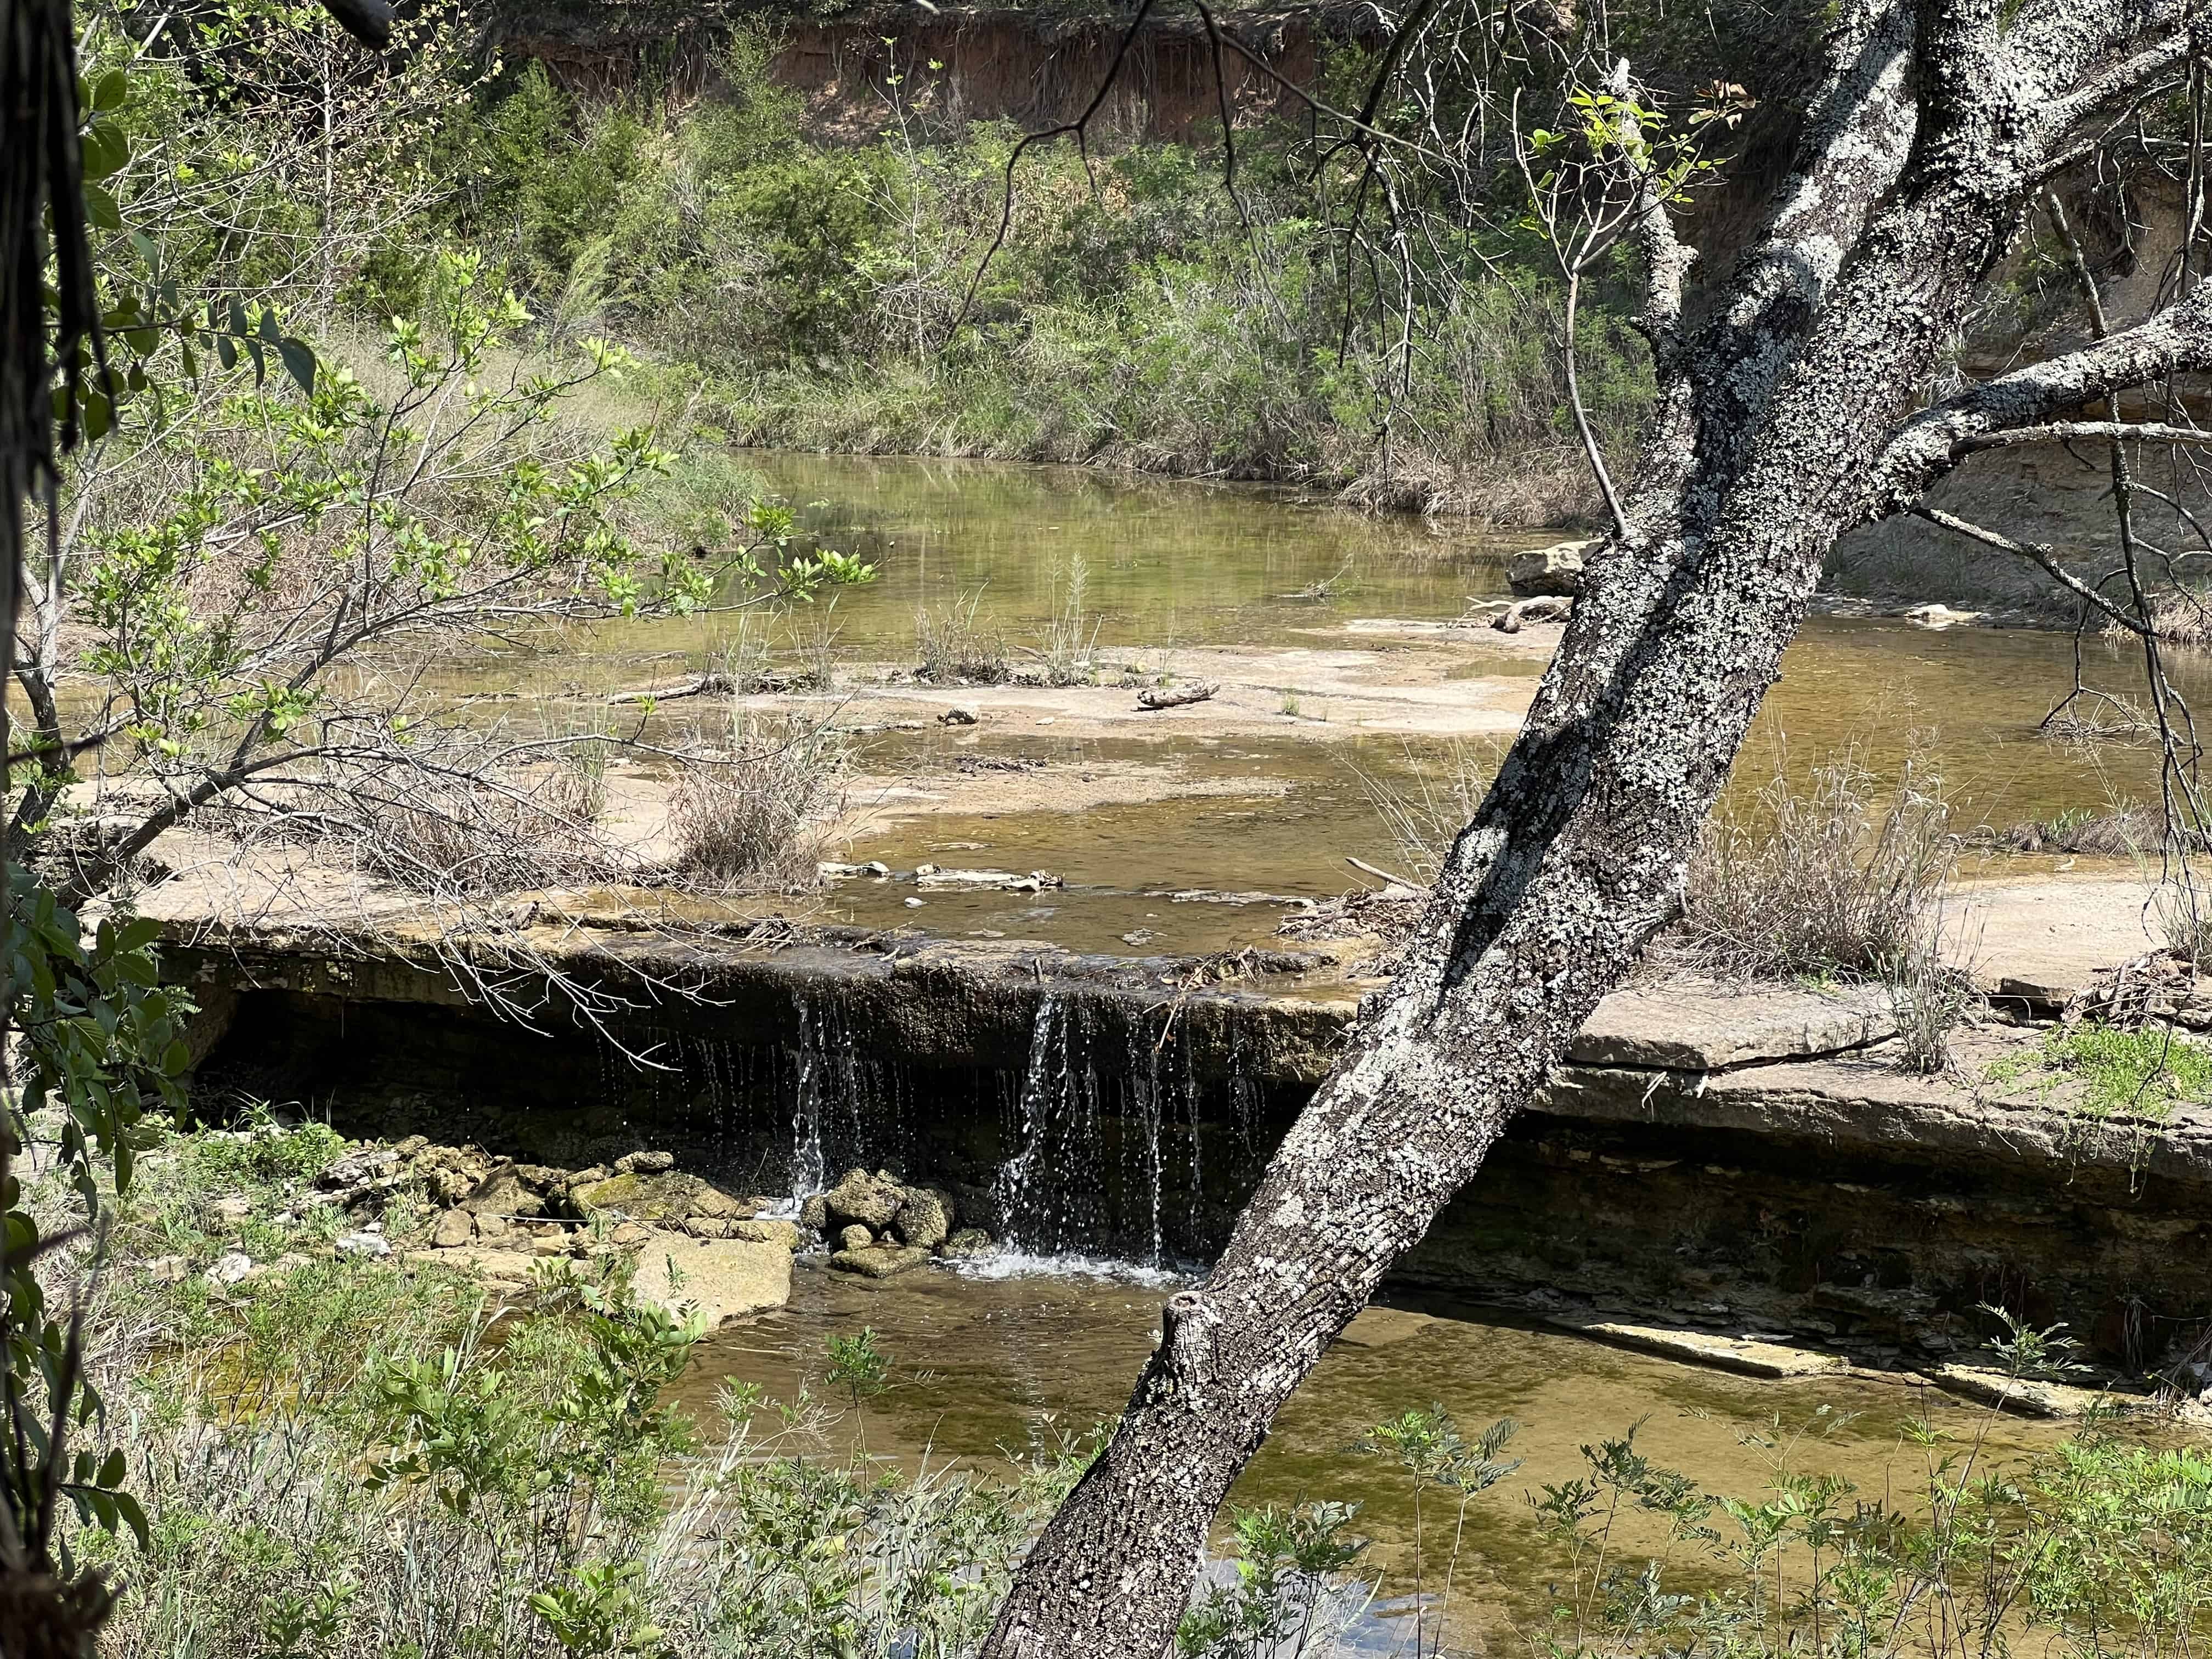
x: 953, y: 646
x: 1837, y: 880
x: 757, y: 815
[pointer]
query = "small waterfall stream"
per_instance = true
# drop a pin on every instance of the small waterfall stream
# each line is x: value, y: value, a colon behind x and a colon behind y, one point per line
x: 1087, y: 1172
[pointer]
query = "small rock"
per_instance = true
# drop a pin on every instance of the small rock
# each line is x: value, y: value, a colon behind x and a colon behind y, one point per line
x: 493, y: 1226
x: 361, y: 1243
x: 958, y: 714
x: 550, y: 1244
x: 925, y: 1215
x: 231, y: 1268
x: 356, y: 1167
x: 501, y: 1193
x: 168, y: 1269
x: 1556, y: 570
x: 870, y: 1199
x: 913, y: 903
x: 411, y: 1146
x: 628, y: 1234
x: 814, y: 1213
x: 855, y: 1238
x: 967, y: 1244
x: 880, y: 1260
x: 453, y: 1227
x: 707, y: 1226
x: 645, y: 1163
x: 227, y: 1211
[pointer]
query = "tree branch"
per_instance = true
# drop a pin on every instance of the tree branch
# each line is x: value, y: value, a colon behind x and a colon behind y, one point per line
x: 2176, y: 340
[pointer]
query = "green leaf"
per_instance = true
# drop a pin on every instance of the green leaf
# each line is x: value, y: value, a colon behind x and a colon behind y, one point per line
x: 298, y: 362
x: 100, y: 209
x: 109, y: 92
x: 226, y: 350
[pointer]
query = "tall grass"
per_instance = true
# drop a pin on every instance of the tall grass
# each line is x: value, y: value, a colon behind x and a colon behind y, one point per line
x: 755, y: 812
x: 1837, y: 876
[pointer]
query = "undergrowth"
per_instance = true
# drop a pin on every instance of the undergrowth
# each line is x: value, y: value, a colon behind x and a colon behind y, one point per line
x: 2144, y: 1073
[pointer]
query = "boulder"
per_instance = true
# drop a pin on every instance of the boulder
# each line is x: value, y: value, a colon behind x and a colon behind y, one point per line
x: 766, y: 1232
x: 502, y: 1193
x: 453, y: 1227
x: 1554, y: 571
x: 664, y: 1195
x: 880, y: 1260
x: 925, y: 1217
x: 814, y: 1213
x: 855, y: 1238
x: 967, y: 1244
x: 870, y: 1199
x: 722, y: 1278
x: 707, y: 1226
x: 491, y: 1225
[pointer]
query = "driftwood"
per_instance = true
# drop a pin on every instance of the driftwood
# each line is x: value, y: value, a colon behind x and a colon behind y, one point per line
x: 1177, y: 696
x: 700, y: 686
x: 719, y: 684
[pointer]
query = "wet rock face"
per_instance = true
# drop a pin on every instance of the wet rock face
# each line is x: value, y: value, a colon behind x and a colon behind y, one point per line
x: 869, y: 1201
x: 925, y: 1217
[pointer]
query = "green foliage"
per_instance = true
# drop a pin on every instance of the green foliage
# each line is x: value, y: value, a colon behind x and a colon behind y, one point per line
x: 2144, y: 1073
x: 101, y: 1044
x: 858, y: 1366
x: 1285, y: 1564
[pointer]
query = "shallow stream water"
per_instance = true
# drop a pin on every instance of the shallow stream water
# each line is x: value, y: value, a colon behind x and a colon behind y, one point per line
x: 1166, y: 566
x: 985, y: 1365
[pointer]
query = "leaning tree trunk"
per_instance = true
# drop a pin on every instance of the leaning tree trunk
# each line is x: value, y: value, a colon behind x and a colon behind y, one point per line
x: 1777, y: 428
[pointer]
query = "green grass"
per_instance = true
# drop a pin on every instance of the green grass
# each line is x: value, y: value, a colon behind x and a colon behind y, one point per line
x: 2120, y: 1073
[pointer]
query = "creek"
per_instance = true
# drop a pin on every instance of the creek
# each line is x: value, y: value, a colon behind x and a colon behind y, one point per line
x: 1089, y: 1139
x: 1164, y: 574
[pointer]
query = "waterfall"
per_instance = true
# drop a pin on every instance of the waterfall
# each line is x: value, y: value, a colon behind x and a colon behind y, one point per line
x: 1087, y: 1173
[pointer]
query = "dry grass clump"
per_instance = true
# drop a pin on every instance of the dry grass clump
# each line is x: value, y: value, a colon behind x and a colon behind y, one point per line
x: 758, y: 813
x: 462, y: 831
x: 1840, y: 878
x: 953, y: 648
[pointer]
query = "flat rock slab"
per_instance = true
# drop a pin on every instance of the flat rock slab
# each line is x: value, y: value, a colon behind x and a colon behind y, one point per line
x: 1747, y: 1355
x: 2041, y: 942
x: 722, y: 1277
x: 2024, y: 1395
x: 1691, y: 1028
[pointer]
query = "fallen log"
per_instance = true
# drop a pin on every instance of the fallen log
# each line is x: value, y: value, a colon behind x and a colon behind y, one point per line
x: 1177, y: 696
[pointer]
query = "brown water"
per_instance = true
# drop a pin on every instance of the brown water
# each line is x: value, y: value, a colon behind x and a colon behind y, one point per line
x: 983, y: 1365
x: 1170, y: 564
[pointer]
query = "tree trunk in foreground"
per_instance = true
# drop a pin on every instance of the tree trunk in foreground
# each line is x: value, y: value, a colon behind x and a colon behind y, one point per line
x: 1783, y: 418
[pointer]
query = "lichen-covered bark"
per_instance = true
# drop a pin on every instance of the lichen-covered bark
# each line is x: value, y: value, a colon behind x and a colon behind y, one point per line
x: 1779, y: 410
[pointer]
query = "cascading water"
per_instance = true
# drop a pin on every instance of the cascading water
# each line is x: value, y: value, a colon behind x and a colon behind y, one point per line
x: 1088, y: 1173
